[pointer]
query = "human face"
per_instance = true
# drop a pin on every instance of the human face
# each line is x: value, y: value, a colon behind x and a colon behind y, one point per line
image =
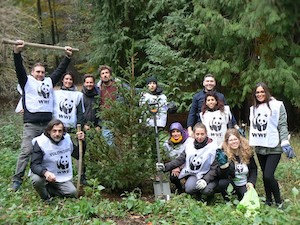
x: 89, y: 83
x: 105, y: 75
x: 233, y: 142
x: 211, y: 102
x: 176, y: 134
x: 57, y: 132
x: 152, y: 86
x: 209, y: 83
x: 38, y: 72
x: 260, y: 94
x: 200, y: 134
x: 67, y: 81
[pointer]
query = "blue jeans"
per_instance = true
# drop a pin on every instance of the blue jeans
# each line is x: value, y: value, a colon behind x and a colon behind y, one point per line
x: 30, y: 131
x: 46, y: 189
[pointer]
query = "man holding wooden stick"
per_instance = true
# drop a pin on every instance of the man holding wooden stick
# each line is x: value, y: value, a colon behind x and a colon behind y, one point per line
x: 51, y: 162
x: 37, y: 102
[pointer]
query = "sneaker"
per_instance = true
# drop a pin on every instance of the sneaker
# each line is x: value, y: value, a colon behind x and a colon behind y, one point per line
x: 280, y: 206
x: 15, y: 186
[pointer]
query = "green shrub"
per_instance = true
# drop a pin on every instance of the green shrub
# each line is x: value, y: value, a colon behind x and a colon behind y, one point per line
x: 130, y: 161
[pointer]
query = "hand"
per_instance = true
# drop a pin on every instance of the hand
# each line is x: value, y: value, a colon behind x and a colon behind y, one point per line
x: 50, y: 176
x: 249, y: 185
x: 80, y: 135
x: 68, y: 51
x: 172, y: 108
x: 175, y: 172
x: 19, y: 46
x: 160, y: 167
x: 242, y: 132
x: 222, y: 159
x: 289, y: 151
x: 190, y: 131
x: 201, y: 184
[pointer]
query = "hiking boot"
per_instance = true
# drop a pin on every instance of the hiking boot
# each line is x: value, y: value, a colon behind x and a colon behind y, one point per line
x: 83, y: 181
x: 15, y: 186
x: 48, y: 201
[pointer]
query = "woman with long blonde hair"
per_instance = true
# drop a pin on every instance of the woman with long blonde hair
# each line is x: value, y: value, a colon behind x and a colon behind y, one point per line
x: 237, y: 165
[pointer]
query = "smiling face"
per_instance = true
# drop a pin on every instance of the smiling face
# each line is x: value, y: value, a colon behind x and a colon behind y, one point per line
x: 200, y: 134
x: 209, y: 83
x: 176, y: 134
x: 233, y: 142
x: 211, y: 102
x: 260, y: 94
x: 38, y: 72
x: 67, y: 81
x: 89, y: 83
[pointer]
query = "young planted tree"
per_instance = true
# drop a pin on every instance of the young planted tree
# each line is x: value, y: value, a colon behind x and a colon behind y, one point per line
x: 129, y: 162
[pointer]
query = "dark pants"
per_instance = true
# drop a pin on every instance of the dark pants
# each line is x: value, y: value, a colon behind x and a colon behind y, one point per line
x: 222, y: 187
x: 177, y: 183
x: 268, y: 165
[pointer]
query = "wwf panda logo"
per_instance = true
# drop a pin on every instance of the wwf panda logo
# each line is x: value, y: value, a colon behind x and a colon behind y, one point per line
x: 215, y: 124
x: 63, y: 163
x: 239, y: 168
x: 44, y: 90
x: 66, y: 106
x: 260, y: 122
x: 195, y: 162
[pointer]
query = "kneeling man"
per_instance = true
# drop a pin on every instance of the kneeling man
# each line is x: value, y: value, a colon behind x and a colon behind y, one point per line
x: 51, y: 162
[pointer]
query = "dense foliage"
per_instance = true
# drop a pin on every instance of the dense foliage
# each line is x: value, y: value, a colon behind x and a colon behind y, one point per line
x: 127, y: 163
x: 241, y: 42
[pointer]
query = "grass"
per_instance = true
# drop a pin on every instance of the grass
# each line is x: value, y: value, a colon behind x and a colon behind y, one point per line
x: 95, y: 207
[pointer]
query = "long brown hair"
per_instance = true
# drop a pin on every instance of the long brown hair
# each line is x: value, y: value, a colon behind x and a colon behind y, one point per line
x: 245, y: 152
x: 220, y: 103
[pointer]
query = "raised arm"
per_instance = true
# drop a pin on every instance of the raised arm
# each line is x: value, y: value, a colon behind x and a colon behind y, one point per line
x: 62, y: 67
x: 20, y: 70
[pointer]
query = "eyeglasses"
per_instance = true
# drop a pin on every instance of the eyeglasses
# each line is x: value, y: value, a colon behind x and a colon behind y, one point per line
x: 260, y: 92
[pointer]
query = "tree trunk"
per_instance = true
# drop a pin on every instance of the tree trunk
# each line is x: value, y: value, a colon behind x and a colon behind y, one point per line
x: 39, y: 14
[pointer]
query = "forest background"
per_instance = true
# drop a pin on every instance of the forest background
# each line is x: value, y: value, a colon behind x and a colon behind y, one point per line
x: 240, y: 42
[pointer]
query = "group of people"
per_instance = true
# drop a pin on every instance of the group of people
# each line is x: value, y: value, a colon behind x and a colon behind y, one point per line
x: 209, y: 155
x: 48, y: 114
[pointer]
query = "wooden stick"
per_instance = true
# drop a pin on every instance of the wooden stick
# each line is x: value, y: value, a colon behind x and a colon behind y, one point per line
x: 79, y: 161
x: 8, y: 41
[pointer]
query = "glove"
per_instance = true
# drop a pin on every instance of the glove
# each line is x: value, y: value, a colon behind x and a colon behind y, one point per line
x: 201, y: 184
x: 222, y: 159
x: 172, y: 107
x: 289, y: 151
x: 242, y: 132
x: 160, y: 167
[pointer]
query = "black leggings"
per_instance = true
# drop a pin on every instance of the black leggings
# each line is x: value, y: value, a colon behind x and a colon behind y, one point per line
x: 223, y: 185
x: 268, y: 165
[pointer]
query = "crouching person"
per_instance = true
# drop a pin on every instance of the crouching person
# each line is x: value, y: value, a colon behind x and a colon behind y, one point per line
x: 237, y: 165
x: 200, y: 165
x: 51, y: 162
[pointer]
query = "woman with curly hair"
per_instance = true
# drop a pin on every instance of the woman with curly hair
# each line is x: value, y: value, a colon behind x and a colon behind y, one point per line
x: 237, y: 165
